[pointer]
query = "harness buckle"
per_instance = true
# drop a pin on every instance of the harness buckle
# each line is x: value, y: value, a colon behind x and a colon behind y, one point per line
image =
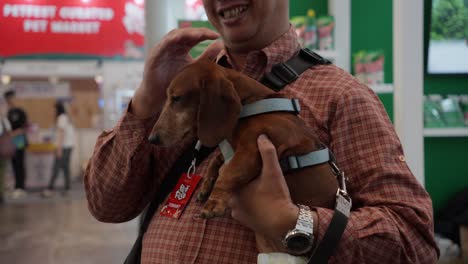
x: 343, y: 202
x: 296, y: 105
x: 312, y: 56
x: 285, y: 73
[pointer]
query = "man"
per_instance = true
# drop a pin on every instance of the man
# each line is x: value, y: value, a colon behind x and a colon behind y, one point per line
x: 4, y: 130
x: 18, y: 120
x: 391, y: 221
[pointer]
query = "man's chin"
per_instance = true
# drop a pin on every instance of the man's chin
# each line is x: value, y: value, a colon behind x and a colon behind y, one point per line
x: 239, y: 42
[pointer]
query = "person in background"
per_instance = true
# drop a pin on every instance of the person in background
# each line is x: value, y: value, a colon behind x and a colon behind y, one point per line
x: 65, y: 134
x: 19, y: 121
x: 391, y: 219
x: 5, y: 127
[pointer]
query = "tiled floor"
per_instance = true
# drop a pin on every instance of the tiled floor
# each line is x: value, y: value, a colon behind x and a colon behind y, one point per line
x: 60, y: 230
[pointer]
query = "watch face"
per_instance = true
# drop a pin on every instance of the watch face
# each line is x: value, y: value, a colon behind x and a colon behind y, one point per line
x: 298, y: 243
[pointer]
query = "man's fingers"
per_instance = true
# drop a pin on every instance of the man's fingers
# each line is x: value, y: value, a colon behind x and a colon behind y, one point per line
x: 212, y: 51
x: 189, y: 37
x: 268, y: 153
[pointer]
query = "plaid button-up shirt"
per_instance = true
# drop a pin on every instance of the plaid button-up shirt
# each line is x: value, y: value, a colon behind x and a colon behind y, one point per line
x: 391, y: 220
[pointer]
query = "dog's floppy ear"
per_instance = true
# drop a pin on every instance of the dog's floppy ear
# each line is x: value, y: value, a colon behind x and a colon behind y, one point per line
x: 218, y: 112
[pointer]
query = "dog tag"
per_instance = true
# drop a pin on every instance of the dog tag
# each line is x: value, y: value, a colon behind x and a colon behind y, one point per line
x: 180, y: 196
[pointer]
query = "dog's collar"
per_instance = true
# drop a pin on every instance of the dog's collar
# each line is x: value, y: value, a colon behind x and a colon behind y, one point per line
x: 270, y: 105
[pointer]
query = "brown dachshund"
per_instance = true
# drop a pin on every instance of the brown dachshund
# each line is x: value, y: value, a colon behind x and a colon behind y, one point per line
x: 204, y: 100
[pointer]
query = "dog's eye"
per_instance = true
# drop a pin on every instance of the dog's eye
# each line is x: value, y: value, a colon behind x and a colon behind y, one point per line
x: 176, y: 98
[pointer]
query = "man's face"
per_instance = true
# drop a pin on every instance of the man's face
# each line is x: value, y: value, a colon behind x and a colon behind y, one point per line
x: 248, y: 24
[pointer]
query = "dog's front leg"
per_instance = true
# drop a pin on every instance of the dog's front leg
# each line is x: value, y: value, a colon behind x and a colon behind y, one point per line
x: 244, y: 165
x: 210, y: 178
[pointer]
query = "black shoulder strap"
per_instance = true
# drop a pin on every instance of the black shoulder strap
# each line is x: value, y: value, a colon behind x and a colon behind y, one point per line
x: 281, y: 75
x: 287, y: 72
x: 180, y: 166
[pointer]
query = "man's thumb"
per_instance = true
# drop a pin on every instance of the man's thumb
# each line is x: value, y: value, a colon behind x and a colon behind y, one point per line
x: 269, y: 156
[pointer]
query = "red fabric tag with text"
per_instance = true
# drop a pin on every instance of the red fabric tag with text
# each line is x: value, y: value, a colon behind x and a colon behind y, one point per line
x: 180, y: 196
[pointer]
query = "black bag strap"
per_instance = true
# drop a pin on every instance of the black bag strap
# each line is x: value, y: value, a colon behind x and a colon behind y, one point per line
x: 179, y: 167
x: 287, y: 72
x: 281, y: 75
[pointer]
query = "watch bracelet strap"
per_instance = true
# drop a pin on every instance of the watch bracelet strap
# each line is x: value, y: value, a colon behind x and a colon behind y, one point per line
x: 305, y: 221
x: 332, y: 237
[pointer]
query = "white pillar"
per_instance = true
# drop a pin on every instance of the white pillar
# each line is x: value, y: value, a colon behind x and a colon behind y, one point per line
x: 408, y: 61
x: 161, y: 16
x: 341, y: 10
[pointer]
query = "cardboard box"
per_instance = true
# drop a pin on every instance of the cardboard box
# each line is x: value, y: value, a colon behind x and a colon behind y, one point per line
x: 463, y: 248
x: 464, y: 243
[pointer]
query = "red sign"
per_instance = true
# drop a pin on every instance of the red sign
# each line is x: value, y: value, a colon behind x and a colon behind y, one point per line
x: 107, y: 28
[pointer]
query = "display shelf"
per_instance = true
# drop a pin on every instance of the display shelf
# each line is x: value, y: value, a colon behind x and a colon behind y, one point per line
x: 446, y: 132
x: 328, y: 54
x: 382, y: 88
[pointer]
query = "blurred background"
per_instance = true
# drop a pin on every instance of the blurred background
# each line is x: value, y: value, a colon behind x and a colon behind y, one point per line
x: 88, y: 56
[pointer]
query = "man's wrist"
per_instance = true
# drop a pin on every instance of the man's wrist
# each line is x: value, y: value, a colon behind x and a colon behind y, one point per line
x: 300, y: 240
x: 287, y: 221
x: 144, y: 106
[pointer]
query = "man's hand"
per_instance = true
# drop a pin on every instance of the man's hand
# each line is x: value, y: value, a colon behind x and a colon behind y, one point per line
x: 265, y: 205
x: 165, y: 60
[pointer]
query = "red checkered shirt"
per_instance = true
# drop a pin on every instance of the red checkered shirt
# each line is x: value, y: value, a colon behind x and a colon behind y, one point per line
x: 391, y: 220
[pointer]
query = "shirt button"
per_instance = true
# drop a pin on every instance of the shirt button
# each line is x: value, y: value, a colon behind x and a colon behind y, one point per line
x: 402, y: 158
x: 135, y: 134
x: 196, y: 217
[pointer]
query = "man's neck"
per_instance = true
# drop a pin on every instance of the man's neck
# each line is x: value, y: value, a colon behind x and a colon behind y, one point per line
x: 237, y: 60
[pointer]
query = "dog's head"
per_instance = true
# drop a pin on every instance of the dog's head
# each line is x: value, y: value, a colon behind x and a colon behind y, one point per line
x: 201, y: 102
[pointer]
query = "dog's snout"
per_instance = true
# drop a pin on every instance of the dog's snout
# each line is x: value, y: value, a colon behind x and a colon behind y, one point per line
x: 154, y: 139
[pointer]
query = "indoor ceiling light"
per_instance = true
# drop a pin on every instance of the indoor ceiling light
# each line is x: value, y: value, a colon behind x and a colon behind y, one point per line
x: 99, y: 79
x: 6, y: 79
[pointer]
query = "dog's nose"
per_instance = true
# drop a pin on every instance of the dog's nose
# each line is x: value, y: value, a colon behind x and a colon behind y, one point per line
x: 154, y: 139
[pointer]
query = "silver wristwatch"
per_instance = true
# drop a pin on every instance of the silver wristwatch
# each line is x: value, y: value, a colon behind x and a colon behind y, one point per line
x: 300, y: 240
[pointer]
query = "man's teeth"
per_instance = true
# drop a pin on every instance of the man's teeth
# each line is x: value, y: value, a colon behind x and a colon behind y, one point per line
x: 234, y: 12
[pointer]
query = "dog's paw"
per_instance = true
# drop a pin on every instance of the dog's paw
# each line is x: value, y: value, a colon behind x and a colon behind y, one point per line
x: 205, y: 190
x: 213, y: 208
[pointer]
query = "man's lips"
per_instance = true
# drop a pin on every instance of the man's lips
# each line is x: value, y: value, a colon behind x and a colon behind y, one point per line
x: 232, y: 12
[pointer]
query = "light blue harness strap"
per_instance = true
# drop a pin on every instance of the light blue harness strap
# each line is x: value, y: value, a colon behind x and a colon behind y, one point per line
x: 307, y: 160
x: 262, y: 107
x: 270, y: 105
x: 288, y: 163
x: 226, y: 150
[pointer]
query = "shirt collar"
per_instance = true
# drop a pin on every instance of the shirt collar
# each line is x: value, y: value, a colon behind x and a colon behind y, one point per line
x: 260, y: 61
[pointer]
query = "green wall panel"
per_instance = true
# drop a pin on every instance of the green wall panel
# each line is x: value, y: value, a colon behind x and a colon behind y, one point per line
x: 300, y: 7
x: 446, y: 168
x: 387, y: 101
x: 445, y: 159
x: 446, y: 84
x: 372, y: 28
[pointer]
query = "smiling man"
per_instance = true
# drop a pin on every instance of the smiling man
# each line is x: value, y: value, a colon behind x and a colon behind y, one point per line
x: 391, y: 219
